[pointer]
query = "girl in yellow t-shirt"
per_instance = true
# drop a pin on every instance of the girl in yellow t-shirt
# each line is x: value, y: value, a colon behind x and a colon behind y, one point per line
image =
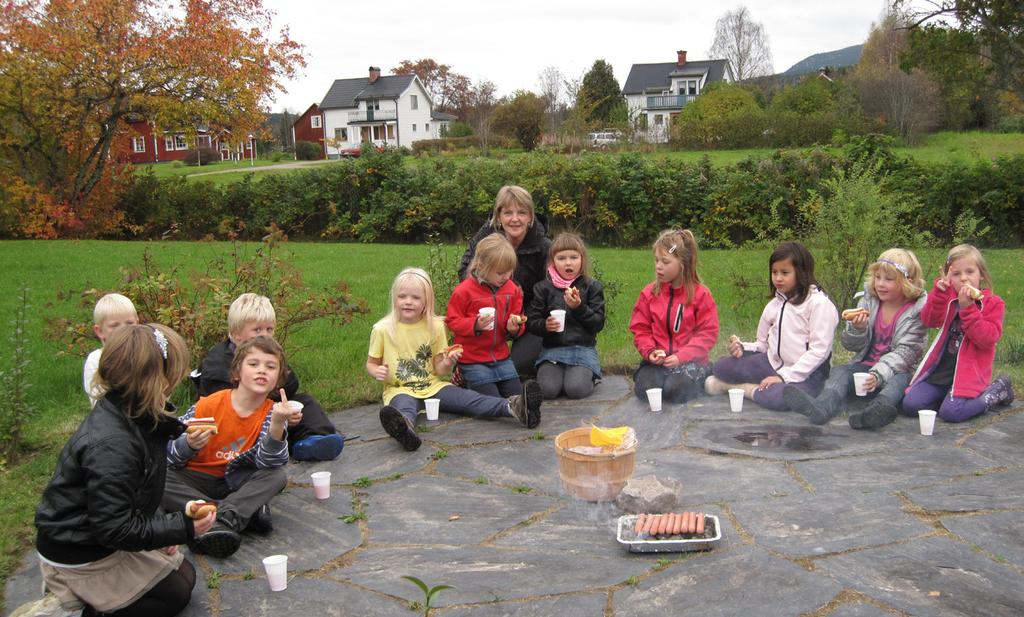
x: 409, y: 354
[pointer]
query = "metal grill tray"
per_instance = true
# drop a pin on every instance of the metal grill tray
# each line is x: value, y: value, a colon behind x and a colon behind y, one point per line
x: 625, y: 536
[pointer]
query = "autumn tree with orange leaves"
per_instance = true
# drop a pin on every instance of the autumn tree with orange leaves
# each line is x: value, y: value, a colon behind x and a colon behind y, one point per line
x: 72, y: 72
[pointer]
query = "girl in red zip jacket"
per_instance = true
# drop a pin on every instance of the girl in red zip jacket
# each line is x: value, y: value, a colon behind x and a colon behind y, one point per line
x: 674, y: 322
x: 956, y: 370
x: 485, y: 363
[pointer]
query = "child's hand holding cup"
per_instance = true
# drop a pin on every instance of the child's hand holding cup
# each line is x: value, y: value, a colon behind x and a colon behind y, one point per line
x: 485, y: 318
x: 281, y: 412
x: 296, y: 412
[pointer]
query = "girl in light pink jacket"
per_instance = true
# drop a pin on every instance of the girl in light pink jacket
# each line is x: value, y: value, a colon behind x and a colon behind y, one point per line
x: 794, y: 336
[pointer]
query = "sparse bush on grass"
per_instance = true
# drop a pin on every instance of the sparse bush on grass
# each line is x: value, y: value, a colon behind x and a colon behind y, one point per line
x: 16, y: 410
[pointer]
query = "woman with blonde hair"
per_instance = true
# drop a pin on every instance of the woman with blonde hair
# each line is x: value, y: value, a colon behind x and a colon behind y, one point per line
x: 515, y: 218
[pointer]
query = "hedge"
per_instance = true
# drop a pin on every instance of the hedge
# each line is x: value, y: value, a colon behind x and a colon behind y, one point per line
x: 612, y: 199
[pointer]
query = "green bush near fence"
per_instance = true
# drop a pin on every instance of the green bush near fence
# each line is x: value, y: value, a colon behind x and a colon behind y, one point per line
x: 612, y: 199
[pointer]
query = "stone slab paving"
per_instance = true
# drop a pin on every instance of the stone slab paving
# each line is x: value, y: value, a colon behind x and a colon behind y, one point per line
x: 1000, y: 533
x: 933, y: 576
x: 1003, y: 489
x: 743, y: 582
x: 836, y: 523
x: 817, y: 520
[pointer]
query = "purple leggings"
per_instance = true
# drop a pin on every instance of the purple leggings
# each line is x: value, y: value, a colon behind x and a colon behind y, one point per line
x: 752, y: 368
x: 924, y: 395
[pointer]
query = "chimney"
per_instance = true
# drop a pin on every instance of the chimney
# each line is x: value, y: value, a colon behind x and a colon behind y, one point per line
x: 681, y: 57
x: 374, y: 73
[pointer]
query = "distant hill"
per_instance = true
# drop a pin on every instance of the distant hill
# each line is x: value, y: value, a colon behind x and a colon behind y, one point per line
x: 847, y: 56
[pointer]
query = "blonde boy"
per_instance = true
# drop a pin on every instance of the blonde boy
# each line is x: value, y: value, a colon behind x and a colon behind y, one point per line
x: 112, y: 312
x: 311, y: 436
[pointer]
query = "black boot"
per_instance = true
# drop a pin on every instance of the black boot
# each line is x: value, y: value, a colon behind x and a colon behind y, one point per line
x: 797, y: 400
x: 826, y: 407
x: 876, y: 415
x: 999, y: 392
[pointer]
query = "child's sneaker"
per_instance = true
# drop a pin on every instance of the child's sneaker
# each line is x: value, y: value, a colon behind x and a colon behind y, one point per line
x: 318, y: 448
x: 525, y: 407
x: 999, y: 392
x: 261, y: 521
x: 396, y: 425
x: 220, y: 542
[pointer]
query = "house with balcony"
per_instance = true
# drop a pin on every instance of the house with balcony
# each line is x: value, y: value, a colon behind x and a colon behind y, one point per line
x: 389, y: 110
x: 656, y: 93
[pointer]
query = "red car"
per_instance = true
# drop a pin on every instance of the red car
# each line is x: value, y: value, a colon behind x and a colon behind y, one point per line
x: 355, y: 151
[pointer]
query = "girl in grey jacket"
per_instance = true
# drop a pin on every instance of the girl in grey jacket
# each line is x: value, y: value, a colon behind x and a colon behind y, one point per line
x: 887, y: 338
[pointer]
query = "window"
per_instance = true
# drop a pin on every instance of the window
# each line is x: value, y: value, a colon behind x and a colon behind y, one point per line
x: 413, y: 128
x: 426, y: 127
x: 341, y: 134
x: 314, y: 121
x: 413, y: 102
x: 203, y: 141
x: 168, y: 143
x: 179, y: 142
x: 658, y: 119
x: 691, y: 87
x: 374, y: 104
x: 139, y: 144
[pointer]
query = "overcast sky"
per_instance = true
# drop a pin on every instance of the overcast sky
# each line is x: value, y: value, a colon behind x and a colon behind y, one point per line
x: 510, y: 43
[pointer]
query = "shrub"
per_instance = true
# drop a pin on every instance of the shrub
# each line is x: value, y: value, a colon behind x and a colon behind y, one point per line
x: 459, y: 129
x: 15, y: 412
x: 201, y: 156
x: 195, y: 305
x: 1011, y: 124
x: 308, y: 151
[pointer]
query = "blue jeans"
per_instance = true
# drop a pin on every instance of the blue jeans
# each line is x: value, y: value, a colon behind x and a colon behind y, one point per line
x: 841, y: 381
x: 454, y: 400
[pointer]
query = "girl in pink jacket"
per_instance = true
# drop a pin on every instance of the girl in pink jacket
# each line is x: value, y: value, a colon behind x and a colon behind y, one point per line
x: 674, y: 322
x: 956, y: 370
x: 794, y: 336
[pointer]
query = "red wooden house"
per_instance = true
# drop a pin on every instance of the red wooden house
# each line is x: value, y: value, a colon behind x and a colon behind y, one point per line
x: 149, y: 145
x: 310, y: 127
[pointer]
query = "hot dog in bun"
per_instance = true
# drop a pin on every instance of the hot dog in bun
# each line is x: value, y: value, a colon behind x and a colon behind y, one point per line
x: 196, y: 425
x: 973, y: 292
x: 199, y: 508
x: 854, y: 313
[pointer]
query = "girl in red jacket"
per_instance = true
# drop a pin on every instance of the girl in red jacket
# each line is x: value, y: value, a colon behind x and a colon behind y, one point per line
x: 956, y: 371
x: 674, y: 322
x: 485, y: 313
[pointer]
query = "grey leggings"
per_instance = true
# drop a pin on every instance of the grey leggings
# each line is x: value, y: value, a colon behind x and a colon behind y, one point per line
x: 575, y: 381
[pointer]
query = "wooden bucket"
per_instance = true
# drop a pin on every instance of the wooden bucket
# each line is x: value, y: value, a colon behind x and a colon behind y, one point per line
x: 598, y: 477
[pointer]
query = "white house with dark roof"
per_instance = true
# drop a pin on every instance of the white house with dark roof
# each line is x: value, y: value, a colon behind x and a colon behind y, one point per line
x: 392, y: 110
x: 656, y: 93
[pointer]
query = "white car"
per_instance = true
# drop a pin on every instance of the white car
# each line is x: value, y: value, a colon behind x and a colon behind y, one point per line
x: 604, y: 138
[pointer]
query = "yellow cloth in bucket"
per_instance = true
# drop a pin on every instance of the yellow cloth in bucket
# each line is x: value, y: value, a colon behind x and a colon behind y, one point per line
x: 608, y: 436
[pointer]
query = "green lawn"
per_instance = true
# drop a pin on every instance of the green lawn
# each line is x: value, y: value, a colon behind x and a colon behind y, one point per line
x: 329, y: 360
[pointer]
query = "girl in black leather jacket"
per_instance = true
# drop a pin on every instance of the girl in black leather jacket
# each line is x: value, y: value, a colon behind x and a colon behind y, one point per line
x: 104, y: 543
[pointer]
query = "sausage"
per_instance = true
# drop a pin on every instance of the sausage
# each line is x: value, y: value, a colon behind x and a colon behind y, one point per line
x: 677, y: 526
x: 671, y: 524
x: 686, y: 523
x: 700, y: 523
x: 639, y: 523
x: 664, y: 525
x: 693, y: 522
x: 649, y: 525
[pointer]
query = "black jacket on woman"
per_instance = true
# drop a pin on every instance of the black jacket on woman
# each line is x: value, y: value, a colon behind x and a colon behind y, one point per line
x: 581, y: 323
x: 105, y: 493
x: 531, y: 255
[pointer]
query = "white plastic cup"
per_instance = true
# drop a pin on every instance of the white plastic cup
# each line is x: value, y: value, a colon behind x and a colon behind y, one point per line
x: 488, y: 310
x: 277, y: 571
x: 654, y: 399
x: 433, y: 406
x: 927, y: 419
x: 559, y: 314
x: 321, y: 484
x: 858, y: 383
x: 736, y: 399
